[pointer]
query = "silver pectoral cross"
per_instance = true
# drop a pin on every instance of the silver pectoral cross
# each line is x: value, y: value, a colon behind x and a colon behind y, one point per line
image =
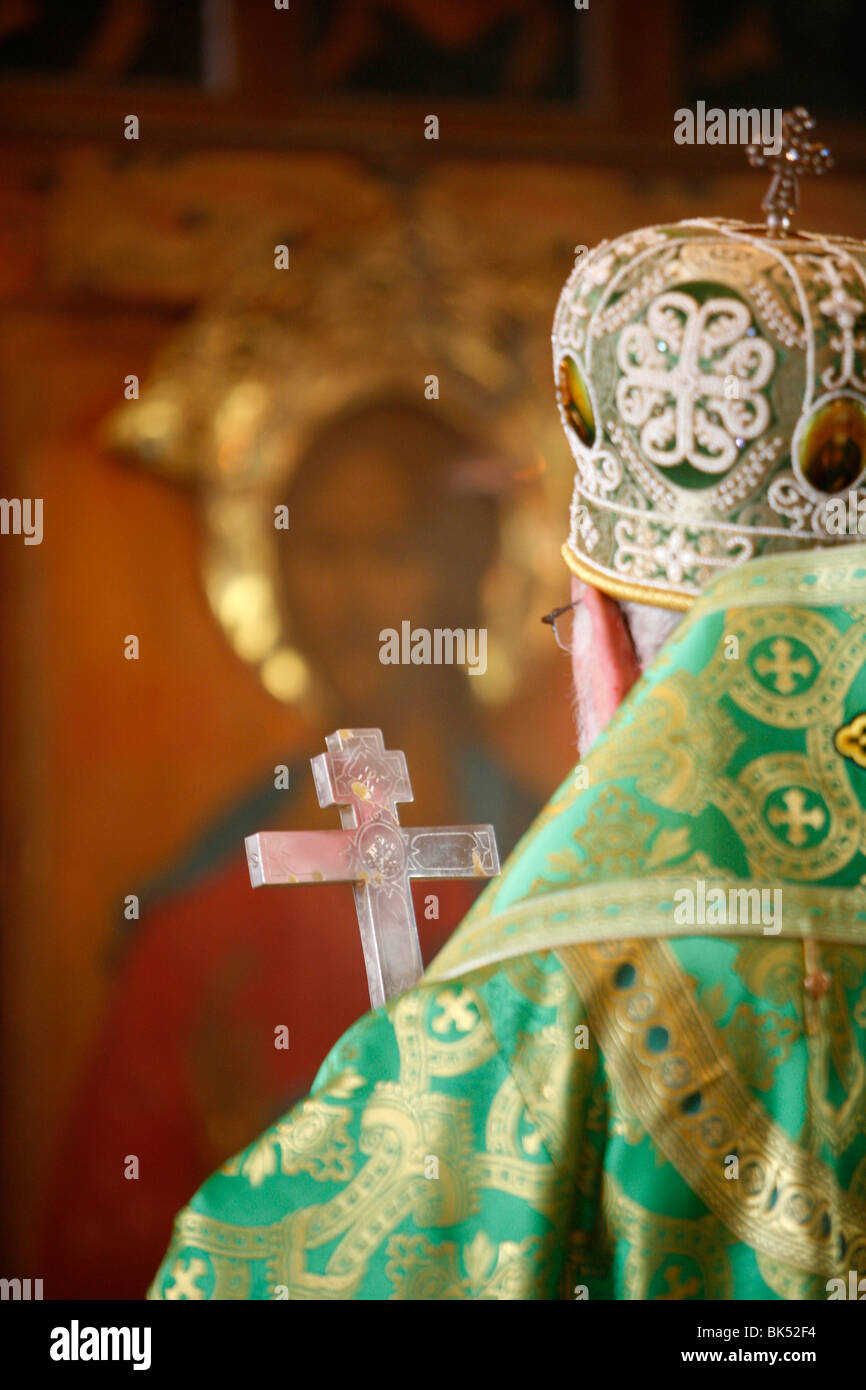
x: 373, y: 852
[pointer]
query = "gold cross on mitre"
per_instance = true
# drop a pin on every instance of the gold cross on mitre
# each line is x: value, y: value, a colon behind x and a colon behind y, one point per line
x: 793, y: 159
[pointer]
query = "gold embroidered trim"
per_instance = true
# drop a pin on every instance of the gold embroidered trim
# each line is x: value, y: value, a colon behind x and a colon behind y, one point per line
x: 621, y: 588
x: 641, y: 908
x: 836, y: 575
x: 672, y: 1065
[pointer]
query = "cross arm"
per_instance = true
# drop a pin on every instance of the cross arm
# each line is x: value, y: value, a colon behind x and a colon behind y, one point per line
x: 300, y: 856
x: 457, y: 851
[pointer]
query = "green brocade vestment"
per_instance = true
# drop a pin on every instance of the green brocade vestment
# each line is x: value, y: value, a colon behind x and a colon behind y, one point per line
x: 626, y: 1076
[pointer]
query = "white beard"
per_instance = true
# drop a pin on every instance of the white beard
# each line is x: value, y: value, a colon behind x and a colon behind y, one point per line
x: 649, y: 628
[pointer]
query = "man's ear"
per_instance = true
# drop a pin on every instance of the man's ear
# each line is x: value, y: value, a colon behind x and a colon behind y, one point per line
x: 604, y: 659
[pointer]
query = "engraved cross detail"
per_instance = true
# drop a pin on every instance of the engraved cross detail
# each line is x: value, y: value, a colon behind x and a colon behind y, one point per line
x: 781, y: 667
x: 796, y: 817
x: 184, y: 1277
x: 373, y: 852
x: 457, y: 1009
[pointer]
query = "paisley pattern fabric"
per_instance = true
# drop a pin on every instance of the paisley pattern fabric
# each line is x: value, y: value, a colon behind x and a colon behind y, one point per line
x: 638, y: 1068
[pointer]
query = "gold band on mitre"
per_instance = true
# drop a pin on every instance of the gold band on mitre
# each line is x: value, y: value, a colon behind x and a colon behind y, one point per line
x: 621, y: 588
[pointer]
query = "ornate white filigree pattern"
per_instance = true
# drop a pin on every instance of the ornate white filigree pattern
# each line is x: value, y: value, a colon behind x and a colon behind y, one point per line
x: 582, y: 524
x: 786, y: 497
x: 674, y: 381
x: 653, y: 549
x: 790, y: 333
x: 624, y: 309
x: 742, y: 482
x: 651, y: 485
x: 844, y: 309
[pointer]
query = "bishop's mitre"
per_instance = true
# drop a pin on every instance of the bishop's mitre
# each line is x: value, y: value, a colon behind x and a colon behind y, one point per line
x: 711, y: 379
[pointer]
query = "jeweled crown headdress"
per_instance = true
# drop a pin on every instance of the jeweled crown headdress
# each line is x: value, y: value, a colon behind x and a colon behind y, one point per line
x: 711, y: 379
